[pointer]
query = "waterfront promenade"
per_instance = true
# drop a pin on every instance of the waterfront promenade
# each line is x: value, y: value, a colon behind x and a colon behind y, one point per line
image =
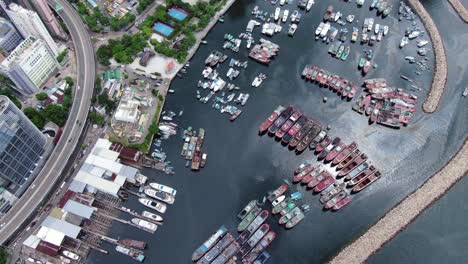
x: 440, y: 67
x: 405, y: 212
x: 460, y: 9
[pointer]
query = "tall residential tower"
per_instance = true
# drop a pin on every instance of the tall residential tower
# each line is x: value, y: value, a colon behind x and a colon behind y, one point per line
x: 28, y: 24
x: 9, y: 37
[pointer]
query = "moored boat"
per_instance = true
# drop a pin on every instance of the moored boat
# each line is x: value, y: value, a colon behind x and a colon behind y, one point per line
x: 264, y: 257
x: 278, y: 192
x: 259, y: 220
x: 285, y: 218
x: 160, y: 207
x: 317, y: 139
x: 314, y: 131
x: 133, y: 253
x: 353, y: 164
x: 163, y: 188
x: 329, y: 148
x: 357, y: 170
x: 361, y: 176
x: 335, y: 199
x: 159, y: 195
x: 227, y: 253
x: 271, y: 119
x: 248, y: 218
x: 356, y: 152
x: 335, y: 151
x: 301, y: 134
x: 298, y: 177
x: 327, y: 195
x: 208, y: 244
x: 152, y: 216
x: 288, y: 124
x: 342, y: 203
x: 216, y: 249
x: 295, y: 220
x: 309, y: 177
x: 322, y: 176
x: 280, y: 120
x: 151, y: 227
x: 328, y: 181
x: 247, y: 209
x: 259, y: 248
x: 367, y: 181
x: 294, y: 129
x: 323, y: 144
x: 253, y: 240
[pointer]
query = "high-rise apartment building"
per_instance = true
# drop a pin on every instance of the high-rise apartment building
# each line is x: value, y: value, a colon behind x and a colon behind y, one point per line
x: 48, y: 17
x: 9, y: 36
x: 29, y: 65
x: 28, y: 24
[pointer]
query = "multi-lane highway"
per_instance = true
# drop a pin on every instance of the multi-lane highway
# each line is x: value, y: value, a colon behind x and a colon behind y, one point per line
x: 55, y: 165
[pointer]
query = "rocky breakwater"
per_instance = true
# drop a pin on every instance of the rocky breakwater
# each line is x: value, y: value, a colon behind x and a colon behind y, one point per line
x: 440, y: 67
x: 406, y: 211
x: 460, y: 9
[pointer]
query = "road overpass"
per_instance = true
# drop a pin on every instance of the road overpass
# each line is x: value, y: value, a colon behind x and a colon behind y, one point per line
x: 59, y: 158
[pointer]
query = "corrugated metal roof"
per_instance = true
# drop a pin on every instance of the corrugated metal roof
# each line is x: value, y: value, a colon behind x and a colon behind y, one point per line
x: 77, y: 186
x: 32, y: 241
x: 62, y: 226
x: 57, y: 213
x: 78, y: 209
x: 50, y: 235
x: 98, y: 183
x: 48, y: 248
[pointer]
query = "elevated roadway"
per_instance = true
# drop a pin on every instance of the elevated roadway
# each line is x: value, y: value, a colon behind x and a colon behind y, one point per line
x: 54, y: 167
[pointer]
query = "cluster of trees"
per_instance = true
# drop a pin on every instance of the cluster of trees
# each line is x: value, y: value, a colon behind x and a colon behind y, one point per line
x: 62, y: 56
x: 104, y: 100
x: 123, y: 50
x: 143, y: 4
x: 97, y: 21
x: 3, y: 256
x: 96, y: 118
x: 9, y: 93
x: 57, y: 113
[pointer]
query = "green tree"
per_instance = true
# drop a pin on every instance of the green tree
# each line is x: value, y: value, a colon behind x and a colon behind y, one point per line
x: 3, y: 256
x: 96, y: 118
x: 98, y: 85
x: 104, y: 53
x: 56, y: 113
x: 103, y: 99
x: 35, y: 116
x: 69, y: 81
x: 67, y: 102
x: 42, y: 96
x: 9, y: 93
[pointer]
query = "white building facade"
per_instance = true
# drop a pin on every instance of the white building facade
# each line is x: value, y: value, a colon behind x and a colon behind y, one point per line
x: 30, y: 65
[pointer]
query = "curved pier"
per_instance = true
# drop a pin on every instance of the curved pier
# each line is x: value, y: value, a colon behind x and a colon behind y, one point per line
x: 405, y: 212
x: 460, y: 9
x: 440, y: 67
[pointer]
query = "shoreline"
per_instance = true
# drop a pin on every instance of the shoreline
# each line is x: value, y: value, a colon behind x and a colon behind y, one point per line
x: 460, y: 9
x: 405, y: 212
x: 440, y: 60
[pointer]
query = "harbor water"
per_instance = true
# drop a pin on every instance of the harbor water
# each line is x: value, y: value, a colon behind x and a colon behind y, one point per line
x: 242, y: 166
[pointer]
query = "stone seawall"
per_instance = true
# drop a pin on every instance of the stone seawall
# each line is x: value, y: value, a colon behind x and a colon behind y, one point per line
x: 460, y: 9
x: 440, y: 68
x: 405, y: 212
